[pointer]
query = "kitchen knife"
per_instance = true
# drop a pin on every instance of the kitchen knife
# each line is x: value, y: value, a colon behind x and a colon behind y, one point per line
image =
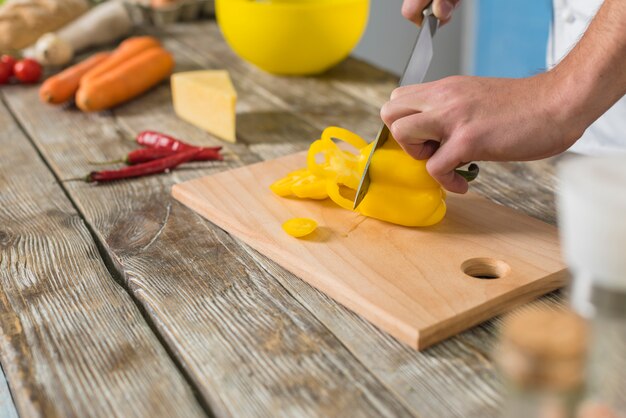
x: 414, y: 73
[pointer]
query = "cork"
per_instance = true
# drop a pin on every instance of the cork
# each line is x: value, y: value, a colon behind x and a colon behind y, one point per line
x: 544, y: 348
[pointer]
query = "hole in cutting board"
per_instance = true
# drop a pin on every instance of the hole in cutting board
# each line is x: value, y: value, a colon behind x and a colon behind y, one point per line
x: 485, y: 268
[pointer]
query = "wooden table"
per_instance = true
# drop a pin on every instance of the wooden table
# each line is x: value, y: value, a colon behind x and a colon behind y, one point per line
x: 118, y: 301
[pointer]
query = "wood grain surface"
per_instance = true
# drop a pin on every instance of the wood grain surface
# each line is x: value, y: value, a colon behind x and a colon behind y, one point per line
x: 254, y: 339
x: 248, y: 346
x: 7, y: 406
x: 73, y: 343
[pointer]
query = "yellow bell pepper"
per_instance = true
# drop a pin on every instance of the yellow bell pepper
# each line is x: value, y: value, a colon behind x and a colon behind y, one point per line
x: 401, y: 191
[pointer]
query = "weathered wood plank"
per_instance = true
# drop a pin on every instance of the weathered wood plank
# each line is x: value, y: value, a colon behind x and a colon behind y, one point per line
x: 528, y: 187
x: 7, y: 407
x: 456, y: 378
x: 72, y: 342
x: 248, y: 346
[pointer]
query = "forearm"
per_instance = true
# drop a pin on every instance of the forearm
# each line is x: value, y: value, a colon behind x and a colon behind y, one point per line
x: 592, y: 77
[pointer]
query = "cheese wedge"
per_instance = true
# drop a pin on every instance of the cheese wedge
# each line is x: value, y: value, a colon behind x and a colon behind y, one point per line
x: 207, y: 100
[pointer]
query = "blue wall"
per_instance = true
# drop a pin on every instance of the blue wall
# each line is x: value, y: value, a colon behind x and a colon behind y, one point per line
x: 511, y: 37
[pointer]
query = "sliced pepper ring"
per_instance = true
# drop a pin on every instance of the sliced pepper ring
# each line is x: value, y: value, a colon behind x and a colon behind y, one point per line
x: 338, y: 164
x: 344, y: 135
x: 334, y: 192
x: 321, y: 146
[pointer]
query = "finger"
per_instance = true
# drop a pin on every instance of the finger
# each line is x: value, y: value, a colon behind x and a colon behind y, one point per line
x: 412, y: 10
x: 418, y: 134
x: 401, y: 106
x: 428, y: 150
x: 442, y: 165
x: 443, y: 10
x: 417, y: 128
x: 421, y: 151
x: 407, y: 90
x: 392, y: 111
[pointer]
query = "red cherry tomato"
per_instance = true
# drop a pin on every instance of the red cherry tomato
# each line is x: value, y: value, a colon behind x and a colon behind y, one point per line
x: 9, y: 60
x: 27, y: 70
x: 5, y: 72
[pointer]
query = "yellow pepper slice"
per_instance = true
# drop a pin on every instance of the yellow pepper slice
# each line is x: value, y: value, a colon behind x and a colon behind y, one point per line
x: 299, y: 227
x: 339, y: 165
x: 282, y: 187
x: 301, y: 183
x: 311, y: 187
x: 341, y: 134
x: 346, y: 169
x: 325, y: 148
x: 334, y: 192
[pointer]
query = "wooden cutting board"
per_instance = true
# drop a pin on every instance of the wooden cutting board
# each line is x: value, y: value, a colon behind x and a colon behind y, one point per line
x: 415, y: 283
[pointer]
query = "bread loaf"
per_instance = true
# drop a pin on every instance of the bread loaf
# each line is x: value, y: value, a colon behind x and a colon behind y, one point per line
x: 22, y: 22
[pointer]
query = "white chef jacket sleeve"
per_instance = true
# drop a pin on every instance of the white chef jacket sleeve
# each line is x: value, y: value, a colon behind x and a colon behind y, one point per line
x: 570, y: 21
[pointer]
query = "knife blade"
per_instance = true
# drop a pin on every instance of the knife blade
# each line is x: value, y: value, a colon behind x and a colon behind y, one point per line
x: 414, y: 73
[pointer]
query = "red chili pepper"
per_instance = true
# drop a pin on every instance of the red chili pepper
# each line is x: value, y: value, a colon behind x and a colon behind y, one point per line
x: 209, y: 154
x: 143, y: 155
x: 154, y: 139
x: 153, y: 167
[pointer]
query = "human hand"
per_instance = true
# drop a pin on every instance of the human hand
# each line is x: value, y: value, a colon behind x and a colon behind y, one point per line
x: 413, y: 9
x: 460, y: 119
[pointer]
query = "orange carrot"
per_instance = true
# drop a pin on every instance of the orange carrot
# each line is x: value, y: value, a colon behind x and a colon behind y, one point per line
x: 61, y: 87
x: 127, y: 81
x: 128, y: 49
x: 133, y: 41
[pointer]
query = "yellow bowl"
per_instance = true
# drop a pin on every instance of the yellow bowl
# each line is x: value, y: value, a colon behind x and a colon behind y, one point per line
x: 292, y: 37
